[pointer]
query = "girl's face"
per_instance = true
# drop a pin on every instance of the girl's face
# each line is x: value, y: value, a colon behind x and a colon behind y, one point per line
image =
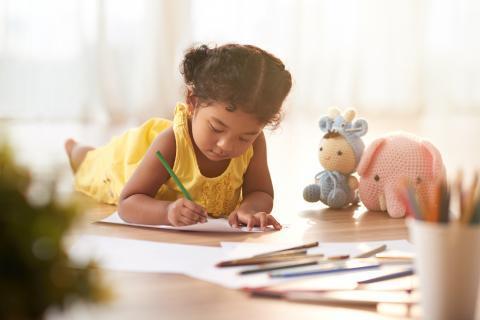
x: 221, y: 134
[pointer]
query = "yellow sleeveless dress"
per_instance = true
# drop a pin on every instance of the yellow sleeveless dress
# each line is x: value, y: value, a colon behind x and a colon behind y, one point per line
x: 105, y: 170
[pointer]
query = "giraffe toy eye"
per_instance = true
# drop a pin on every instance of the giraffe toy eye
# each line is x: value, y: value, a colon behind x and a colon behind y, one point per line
x: 339, y: 152
x: 376, y: 178
x: 418, y: 180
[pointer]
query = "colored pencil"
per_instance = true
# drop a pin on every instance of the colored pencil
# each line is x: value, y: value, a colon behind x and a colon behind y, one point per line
x: 303, y: 246
x: 372, y: 252
x: 325, y: 269
x: 475, y: 219
x: 279, y: 266
x: 173, y: 175
x: 469, y: 199
x: 263, y: 260
x: 444, y: 214
x: 389, y: 276
x: 412, y: 198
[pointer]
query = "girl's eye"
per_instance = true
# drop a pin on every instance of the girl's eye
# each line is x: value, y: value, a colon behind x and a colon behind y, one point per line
x: 215, y: 129
x: 244, y: 140
x: 339, y: 152
x: 377, y: 178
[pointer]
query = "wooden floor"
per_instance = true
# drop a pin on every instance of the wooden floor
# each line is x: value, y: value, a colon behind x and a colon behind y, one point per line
x: 293, y: 163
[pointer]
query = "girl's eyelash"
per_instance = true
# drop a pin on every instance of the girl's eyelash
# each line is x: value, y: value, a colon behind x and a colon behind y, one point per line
x: 244, y: 140
x: 215, y: 129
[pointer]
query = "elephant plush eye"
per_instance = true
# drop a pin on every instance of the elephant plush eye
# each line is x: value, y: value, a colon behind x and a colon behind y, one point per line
x: 339, y: 152
x: 418, y: 180
x: 376, y: 177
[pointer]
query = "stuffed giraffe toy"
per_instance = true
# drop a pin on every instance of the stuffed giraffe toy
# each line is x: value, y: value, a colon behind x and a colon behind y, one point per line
x: 340, y: 152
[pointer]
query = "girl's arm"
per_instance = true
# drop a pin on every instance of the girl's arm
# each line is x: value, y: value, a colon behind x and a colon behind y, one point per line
x: 257, y: 191
x: 137, y: 202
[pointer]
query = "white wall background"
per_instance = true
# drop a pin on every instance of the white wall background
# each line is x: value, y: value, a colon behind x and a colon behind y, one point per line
x: 117, y: 60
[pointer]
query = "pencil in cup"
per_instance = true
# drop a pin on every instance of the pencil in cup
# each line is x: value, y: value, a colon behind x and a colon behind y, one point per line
x: 173, y: 175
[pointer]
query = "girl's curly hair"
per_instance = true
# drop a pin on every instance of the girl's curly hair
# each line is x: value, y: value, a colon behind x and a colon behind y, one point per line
x: 241, y: 76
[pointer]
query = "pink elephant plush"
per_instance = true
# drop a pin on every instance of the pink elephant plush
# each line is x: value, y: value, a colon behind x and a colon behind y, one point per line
x: 388, y: 161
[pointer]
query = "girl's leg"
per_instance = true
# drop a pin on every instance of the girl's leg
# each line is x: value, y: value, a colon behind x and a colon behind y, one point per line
x: 76, y: 153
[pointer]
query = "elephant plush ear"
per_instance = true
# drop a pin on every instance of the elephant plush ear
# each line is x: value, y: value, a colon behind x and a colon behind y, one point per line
x: 360, y: 127
x: 368, y: 155
x: 438, y: 170
x: 325, y: 123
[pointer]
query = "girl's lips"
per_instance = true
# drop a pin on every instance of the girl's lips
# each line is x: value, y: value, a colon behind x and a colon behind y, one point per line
x: 217, y: 156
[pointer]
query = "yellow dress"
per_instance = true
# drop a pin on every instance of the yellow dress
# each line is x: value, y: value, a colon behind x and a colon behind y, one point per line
x: 105, y: 170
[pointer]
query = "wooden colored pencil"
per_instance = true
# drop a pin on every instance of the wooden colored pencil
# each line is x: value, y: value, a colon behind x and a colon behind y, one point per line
x: 282, y: 253
x: 390, y: 276
x: 475, y: 219
x: 280, y: 266
x: 263, y: 260
x: 444, y: 214
x: 412, y: 198
x: 469, y: 206
x: 371, y: 253
x: 458, y: 189
x: 303, y: 246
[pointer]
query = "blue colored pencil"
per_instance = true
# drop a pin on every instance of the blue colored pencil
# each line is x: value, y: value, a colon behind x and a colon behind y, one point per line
x: 323, y: 270
x: 412, y: 198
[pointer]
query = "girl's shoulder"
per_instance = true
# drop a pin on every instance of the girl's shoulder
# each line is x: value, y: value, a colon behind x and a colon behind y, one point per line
x: 165, y: 142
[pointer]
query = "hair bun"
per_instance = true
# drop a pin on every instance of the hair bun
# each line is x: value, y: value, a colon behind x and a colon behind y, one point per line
x: 193, y: 59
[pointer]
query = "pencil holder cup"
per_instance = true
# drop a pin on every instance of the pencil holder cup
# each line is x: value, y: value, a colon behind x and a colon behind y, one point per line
x: 447, y: 261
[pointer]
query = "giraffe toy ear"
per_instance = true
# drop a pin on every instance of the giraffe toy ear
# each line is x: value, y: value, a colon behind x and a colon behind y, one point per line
x: 333, y: 112
x: 360, y: 127
x: 325, y: 123
x: 348, y: 115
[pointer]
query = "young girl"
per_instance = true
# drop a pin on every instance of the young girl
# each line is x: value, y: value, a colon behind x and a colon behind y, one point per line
x: 215, y: 145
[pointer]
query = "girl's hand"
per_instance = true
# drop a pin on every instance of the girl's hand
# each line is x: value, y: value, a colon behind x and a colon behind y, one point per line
x: 183, y: 212
x: 260, y: 219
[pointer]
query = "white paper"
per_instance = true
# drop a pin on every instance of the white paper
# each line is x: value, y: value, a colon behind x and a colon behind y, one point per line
x: 235, y: 250
x: 143, y: 256
x: 212, y: 225
x: 199, y: 261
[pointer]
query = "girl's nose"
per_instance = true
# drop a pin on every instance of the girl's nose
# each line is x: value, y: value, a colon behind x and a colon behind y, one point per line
x: 225, y: 145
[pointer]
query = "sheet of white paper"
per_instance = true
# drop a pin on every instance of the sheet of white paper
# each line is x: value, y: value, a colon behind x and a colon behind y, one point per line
x: 212, y: 225
x: 196, y: 261
x: 143, y: 256
x: 234, y: 250
x: 147, y: 256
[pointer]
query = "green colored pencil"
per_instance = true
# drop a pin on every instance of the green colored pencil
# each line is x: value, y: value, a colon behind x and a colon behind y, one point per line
x: 173, y: 175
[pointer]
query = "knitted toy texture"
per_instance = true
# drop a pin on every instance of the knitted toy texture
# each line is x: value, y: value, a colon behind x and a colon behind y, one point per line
x: 390, y: 160
x: 339, y: 154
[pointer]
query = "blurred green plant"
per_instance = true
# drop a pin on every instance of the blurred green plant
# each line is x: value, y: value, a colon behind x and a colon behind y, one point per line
x: 35, y: 271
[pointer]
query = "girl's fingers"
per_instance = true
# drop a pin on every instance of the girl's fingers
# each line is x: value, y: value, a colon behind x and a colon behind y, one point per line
x: 271, y: 220
x: 233, y: 219
x: 251, y: 222
x: 195, y: 207
x: 187, y: 220
x: 191, y: 216
x: 263, y: 220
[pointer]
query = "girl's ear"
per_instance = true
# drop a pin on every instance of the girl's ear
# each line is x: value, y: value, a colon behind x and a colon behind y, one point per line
x: 191, y: 102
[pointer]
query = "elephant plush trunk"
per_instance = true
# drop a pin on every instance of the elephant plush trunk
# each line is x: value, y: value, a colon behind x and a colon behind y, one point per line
x: 382, y: 202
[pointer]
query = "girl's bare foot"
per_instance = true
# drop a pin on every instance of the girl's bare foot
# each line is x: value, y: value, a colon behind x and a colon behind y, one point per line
x: 75, y: 153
